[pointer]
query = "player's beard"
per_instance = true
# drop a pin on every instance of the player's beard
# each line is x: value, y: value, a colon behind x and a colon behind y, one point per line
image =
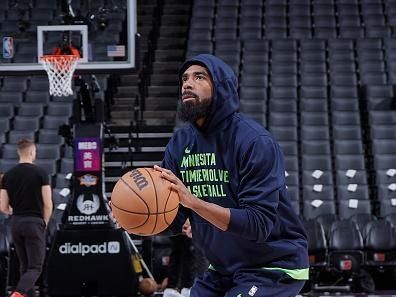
x: 192, y: 110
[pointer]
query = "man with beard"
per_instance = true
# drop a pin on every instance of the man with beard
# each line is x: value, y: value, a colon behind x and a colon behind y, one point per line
x: 230, y: 177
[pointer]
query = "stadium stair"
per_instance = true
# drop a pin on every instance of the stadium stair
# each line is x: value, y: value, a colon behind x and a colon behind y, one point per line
x: 144, y: 108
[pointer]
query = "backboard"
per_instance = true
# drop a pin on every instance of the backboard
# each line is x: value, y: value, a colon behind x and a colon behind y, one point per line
x: 103, y: 31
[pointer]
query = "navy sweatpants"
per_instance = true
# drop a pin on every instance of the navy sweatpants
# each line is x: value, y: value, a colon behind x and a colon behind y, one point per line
x: 247, y: 283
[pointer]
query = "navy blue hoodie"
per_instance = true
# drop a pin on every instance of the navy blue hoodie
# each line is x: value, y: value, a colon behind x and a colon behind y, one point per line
x: 234, y: 162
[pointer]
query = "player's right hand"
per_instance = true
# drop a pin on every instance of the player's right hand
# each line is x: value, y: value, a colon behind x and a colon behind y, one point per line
x: 186, y: 198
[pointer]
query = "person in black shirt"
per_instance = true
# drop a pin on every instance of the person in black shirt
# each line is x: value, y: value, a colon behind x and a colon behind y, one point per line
x: 26, y: 196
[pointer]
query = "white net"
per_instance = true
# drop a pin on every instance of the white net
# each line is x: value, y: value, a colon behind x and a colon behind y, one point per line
x: 60, y: 69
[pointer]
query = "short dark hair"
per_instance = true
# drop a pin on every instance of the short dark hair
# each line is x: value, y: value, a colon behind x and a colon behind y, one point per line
x: 24, y: 143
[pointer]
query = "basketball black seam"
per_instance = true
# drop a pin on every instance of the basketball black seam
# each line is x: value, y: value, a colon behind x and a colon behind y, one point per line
x: 144, y: 213
x: 148, y: 208
x: 112, y: 205
x: 156, y: 199
x: 166, y: 203
x: 139, y: 213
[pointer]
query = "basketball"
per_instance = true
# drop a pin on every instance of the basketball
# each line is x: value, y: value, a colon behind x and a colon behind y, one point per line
x: 143, y: 203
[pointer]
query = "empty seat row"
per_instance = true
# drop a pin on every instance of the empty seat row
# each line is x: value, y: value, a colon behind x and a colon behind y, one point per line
x: 52, y: 166
x: 348, y: 247
x: 33, y: 124
x: 313, y: 56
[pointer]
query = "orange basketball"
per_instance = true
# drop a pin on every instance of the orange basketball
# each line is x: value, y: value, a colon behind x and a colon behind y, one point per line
x: 143, y: 203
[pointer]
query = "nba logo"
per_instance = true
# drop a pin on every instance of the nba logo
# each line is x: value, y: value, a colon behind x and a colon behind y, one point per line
x: 8, y: 47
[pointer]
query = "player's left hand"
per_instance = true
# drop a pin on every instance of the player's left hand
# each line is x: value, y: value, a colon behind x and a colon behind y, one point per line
x: 185, y: 196
x: 111, y: 216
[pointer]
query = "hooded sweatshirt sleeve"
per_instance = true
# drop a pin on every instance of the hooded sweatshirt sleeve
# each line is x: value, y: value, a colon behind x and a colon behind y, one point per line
x: 262, y: 177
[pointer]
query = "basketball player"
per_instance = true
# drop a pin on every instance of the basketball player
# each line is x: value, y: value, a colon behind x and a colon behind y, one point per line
x: 230, y: 176
x: 26, y: 195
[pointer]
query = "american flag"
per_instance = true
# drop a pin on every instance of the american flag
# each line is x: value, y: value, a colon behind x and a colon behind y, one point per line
x: 116, y: 50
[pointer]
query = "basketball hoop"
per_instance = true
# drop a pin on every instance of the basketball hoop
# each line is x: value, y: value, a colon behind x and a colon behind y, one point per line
x: 60, y: 69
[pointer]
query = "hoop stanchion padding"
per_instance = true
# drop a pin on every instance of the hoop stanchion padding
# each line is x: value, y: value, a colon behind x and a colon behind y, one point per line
x: 60, y: 69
